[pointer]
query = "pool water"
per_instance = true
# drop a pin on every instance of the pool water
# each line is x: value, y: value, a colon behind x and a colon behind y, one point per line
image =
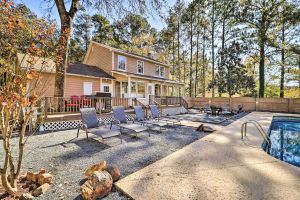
x: 284, y: 134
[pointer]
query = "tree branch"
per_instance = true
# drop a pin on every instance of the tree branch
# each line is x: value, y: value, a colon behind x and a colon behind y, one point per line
x: 74, y: 8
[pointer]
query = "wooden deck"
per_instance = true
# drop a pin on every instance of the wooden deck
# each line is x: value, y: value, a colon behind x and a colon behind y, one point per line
x: 76, y: 116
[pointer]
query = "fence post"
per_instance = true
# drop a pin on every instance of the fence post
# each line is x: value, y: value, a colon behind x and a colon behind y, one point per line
x: 45, y: 108
x: 167, y: 101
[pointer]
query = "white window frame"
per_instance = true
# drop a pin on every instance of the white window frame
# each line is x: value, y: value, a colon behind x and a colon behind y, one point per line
x: 137, y: 66
x: 125, y: 58
x: 106, y: 85
x: 161, y: 69
x: 89, y: 83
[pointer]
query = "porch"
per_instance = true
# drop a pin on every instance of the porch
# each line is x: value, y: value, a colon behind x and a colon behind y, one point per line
x: 142, y: 87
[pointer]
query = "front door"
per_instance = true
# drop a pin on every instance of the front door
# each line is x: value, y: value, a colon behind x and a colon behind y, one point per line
x: 150, y: 89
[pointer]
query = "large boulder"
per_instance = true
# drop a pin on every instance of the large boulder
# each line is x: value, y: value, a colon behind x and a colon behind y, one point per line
x: 114, y: 171
x: 98, y: 186
x: 97, y: 167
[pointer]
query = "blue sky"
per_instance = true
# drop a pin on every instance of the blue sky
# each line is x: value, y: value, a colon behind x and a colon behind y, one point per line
x: 39, y: 7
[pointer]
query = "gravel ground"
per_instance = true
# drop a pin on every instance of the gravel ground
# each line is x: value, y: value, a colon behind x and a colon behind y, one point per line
x: 67, y: 157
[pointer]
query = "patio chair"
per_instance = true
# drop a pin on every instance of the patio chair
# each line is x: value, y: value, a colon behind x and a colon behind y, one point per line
x: 207, y: 109
x: 155, y: 115
x: 121, y: 120
x: 239, y: 109
x: 140, y: 117
x: 226, y: 110
x: 90, y: 124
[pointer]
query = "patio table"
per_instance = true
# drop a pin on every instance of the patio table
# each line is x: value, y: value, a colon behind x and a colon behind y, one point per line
x: 215, y: 111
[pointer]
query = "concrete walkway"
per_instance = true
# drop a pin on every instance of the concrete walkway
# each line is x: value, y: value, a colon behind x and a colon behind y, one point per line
x: 218, y: 166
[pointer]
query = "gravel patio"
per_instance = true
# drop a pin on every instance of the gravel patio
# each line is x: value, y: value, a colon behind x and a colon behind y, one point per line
x: 66, y: 157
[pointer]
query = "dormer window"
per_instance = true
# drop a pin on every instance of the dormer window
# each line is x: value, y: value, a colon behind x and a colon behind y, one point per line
x: 140, y: 67
x: 159, y: 71
x: 122, y: 62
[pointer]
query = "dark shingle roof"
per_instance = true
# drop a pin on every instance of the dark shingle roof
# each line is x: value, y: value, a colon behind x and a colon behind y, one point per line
x: 88, y: 70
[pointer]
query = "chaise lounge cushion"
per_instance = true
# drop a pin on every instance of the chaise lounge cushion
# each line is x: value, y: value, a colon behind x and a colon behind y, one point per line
x: 89, y: 117
x: 139, y: 113
x: 119, y: 114
x: 154, y: 111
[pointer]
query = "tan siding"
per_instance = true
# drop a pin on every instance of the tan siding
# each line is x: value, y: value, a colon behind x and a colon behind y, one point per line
x: 46, y: 86
x: 149, y: 67
x: 74, y: 85
x: 100, y: 57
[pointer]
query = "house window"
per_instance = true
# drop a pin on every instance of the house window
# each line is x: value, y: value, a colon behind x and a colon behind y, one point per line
x: 140, y: 67
x: 133, y: 87
x: 159, y: 71
x: 122, y: 63
x: 106, y: 88
x: 87, y: 88
x: 141, y: 90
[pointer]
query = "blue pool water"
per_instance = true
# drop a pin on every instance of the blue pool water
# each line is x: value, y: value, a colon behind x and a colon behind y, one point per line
x: 284, y: 134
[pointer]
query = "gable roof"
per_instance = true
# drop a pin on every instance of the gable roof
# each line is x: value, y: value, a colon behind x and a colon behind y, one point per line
x: 39, y: 64
x: 87, y: 70
x: 125, y: 53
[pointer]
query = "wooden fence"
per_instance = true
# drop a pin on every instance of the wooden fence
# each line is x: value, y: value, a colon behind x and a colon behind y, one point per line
x: 248, y: 103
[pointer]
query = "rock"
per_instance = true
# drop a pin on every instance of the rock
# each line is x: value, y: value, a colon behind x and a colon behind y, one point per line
x: 87, y: 190
x: 44, y: 178
x: 97, y: 167
x: 26, y: 196
x: 98, y: 186
x: 102, y: 183
x: 32, y: 176
x: 42, y: 171
x: 41, y: 190
x: 32, y: 187
x: 114, y: 171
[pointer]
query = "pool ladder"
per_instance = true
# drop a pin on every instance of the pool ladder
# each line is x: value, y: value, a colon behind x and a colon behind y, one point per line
x: 259, y: 128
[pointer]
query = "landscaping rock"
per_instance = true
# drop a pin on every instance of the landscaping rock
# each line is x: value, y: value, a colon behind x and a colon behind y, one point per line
x: 98, y: 186
x: 42, y: 171
x: 87, y: 190
x: 41, y: 190
x: 26, y: 196
x: 97, y: 167
x: 32, y: 176
x: 102, y: 183
x: 114, y: 171
x: 44, y: 178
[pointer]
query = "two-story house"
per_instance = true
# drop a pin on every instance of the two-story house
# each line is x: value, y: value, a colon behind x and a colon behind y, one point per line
x: 110, y: 70
x: 135, y: 75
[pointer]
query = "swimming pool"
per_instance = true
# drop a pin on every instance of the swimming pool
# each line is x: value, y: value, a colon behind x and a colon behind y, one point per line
x: 284, y: 134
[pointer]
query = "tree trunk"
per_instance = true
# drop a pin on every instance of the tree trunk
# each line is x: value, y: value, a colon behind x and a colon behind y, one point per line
x: 173, y: 51
x: 213, y: 48
x: 191, y: 53
x: 282, y: 74
x: 197, y: 63
x: 178, y: 52
x: 66, y: 18
x: 204, y: 66
x: 222, y: 45
x: 62, y: 59
x: 184, y: 72
x: 262, y: 70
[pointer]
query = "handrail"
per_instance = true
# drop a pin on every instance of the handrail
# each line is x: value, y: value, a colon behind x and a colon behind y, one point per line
x: 152, y: 101
x: 259, y: 128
